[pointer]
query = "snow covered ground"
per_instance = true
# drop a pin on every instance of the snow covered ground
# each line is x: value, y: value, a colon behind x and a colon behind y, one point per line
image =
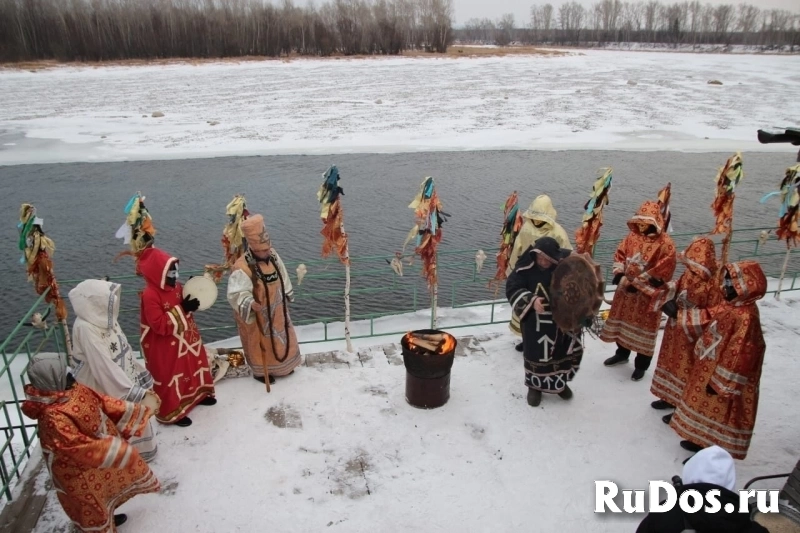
x: 354, y: 456
x: 589, y: 99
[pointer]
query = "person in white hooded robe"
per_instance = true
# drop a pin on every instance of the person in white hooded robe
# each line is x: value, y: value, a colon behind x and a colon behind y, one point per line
x: 102, y: 358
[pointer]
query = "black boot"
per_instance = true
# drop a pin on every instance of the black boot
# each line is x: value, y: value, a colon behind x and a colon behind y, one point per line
x: 642, y: 363
x: 184, y: 422
x: 667, y: 418
x: 619, y: 358
x: 208, y: 400
x: 518, y: 347
x: 661, y: 404
x: 691, y: 446
x: 120, y: 519
x: 261, y: 379
x: 534, y: 397
x: 566, y: 394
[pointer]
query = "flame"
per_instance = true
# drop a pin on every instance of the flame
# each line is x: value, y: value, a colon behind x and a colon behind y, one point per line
x: 448, y: 345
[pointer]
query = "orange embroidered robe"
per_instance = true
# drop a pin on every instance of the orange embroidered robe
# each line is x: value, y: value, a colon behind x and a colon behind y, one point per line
x: 632, y: 322
x: 695, y: 293
x: 94, y: 468
x: 729, y: 358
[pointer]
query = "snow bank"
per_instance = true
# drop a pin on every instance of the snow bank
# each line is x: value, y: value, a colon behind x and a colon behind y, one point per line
x: 576, y: 101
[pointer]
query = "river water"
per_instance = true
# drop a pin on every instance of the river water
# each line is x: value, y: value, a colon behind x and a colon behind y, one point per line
x: 82, y: 206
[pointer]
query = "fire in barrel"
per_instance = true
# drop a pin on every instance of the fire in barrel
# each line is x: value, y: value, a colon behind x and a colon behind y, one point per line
x: 428, y: 356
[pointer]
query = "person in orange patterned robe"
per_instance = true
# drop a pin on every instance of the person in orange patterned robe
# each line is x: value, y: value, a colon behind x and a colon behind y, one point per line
x: 644, y: 261
x: 687, y: 303
x: 720, y: 401
x: 173, y: 350
x: 83, y: 436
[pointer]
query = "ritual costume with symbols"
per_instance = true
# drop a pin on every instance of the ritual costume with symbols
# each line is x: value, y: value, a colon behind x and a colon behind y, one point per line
x: 552, y: 356
x: 259, y: 276
x: 642, y: 262
x: 102, y: 359
x: 720, y: 401
x: 171, y: 343
x: 83, y: 436
x: 693, y: 294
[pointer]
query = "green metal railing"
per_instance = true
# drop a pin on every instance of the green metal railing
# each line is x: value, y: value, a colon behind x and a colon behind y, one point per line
x: 372, y: 279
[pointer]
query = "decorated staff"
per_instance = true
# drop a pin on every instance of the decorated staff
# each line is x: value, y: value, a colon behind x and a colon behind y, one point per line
x: 664, y: 196
x: 727, y: 179
x: 137, y: 230
x: 512, y: 223
x: 788, y: 229
x: 427, y: 234
x: 588, y: 234
x: 37, y: 250
x: 233, y: 244
x: 334, y: 235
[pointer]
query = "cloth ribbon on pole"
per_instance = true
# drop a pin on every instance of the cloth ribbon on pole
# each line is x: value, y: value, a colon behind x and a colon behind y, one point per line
x: 727, y: 179
x: 789, y: 222
x: 664, y: 196
x: 427, y: 234
x: 37, y: 255
x: 137, y: 231
x: 512, y: 224
x: 588, y: 233
x: 334, y: 235
x: 233, y: 243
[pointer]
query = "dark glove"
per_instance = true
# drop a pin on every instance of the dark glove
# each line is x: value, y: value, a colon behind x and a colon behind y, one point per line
x: 631, y: 289
x: 617, y: 279
x: 710, y: 390
x: 190, y: 304
x: 670, y: 309
x: 655, y: 282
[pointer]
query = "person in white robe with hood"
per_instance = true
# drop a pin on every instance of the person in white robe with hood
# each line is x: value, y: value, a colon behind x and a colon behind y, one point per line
x: 102, y: 358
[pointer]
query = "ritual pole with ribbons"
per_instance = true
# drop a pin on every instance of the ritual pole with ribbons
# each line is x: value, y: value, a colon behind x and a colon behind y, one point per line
x: 727, y: 179
x: 233, y: 243
x: 37, y: 255
x: 137, y: 231
x: 427, y: 234
x: 588, y: 233
x: 788, y: 223
x: 664, y: 196
x: 334, y: 234
x: 512, y: 224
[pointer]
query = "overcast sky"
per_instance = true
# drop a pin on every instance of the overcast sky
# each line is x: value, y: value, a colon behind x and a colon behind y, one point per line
x: 494, y: 9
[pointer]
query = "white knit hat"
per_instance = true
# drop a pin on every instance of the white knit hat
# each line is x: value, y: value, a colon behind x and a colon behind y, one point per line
x: 710, y: 465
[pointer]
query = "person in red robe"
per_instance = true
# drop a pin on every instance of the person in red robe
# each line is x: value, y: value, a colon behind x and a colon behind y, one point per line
x: 644, y: 261
x: 173, y: 350
x: 720, y: 401
x: 687, y: 302
x: 84, y: 438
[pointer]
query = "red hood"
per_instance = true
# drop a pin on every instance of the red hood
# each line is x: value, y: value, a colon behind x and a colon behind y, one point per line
x: 748, y: 280
x: 154, y: 264
x: 700, y: 257
x: 648, y: 213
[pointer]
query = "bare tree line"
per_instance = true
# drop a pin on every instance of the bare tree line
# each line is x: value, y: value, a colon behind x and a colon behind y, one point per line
x: 649, y: 21
x: 96, y: 30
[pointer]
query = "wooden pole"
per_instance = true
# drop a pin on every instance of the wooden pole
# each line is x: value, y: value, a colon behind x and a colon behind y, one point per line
x: 783, y: 270
x: 347, y: 306
x: 435, y: 295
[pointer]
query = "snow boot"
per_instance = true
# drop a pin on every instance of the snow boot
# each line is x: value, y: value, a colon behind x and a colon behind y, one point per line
x: 661, y: 404
x: 566, y: 394
x: 534, y: 397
